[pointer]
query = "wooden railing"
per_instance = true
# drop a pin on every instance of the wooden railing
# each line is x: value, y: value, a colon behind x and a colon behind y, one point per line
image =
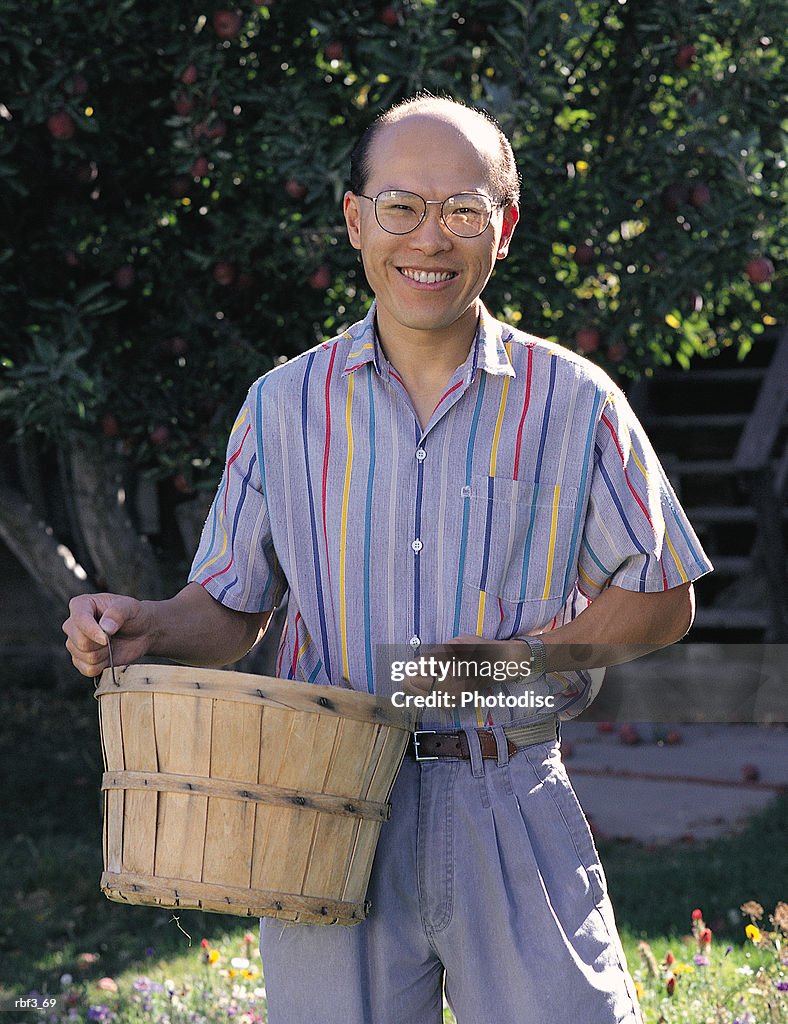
x: 766, y: 481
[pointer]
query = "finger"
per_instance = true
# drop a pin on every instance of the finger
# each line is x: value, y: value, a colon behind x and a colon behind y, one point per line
x: 88, y: 663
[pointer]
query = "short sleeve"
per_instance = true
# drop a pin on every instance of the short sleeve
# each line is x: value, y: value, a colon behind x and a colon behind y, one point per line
x: 636, y: 536
x: 235, y: 560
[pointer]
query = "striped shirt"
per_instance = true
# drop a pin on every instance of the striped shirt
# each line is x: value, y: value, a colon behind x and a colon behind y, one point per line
x: 532, y: 487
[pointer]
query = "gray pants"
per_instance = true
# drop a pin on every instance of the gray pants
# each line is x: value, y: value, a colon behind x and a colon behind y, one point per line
x: 486, y: 880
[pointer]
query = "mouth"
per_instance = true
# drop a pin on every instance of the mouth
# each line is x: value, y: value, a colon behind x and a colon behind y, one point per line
x: 427, y: 276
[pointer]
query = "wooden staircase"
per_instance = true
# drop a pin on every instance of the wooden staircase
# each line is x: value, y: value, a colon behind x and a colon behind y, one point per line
x: 721, y: 431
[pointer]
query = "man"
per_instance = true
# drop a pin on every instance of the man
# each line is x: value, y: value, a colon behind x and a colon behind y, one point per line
x: 430, y: 476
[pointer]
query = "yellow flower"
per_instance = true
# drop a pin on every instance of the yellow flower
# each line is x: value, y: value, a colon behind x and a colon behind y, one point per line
x: 213, y: 956
x: 678, y: 968
x: 249, y: 974
x: 753, y: 933
x: 639, y: 990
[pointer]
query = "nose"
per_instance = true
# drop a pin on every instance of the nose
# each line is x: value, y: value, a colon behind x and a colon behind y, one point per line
x: 431, y: 235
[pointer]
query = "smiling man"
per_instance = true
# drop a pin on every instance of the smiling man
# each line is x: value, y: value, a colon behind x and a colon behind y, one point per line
x: 432, y: 477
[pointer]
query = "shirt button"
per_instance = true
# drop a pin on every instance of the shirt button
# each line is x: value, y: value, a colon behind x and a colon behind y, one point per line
x: 421, y: 455
x: 415, y: 641
x: 417, y: 545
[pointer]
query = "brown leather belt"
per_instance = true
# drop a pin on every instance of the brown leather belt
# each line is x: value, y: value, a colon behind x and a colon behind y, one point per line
x: 429, y: 745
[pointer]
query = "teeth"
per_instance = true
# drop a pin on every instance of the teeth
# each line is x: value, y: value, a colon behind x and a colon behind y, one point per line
x: 423, y: 277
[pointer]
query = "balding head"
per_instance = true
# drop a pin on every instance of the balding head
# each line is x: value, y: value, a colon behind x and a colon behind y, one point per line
x: 474, y: 125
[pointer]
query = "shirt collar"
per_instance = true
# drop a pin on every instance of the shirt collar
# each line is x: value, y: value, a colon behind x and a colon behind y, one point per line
x: 488, y: 351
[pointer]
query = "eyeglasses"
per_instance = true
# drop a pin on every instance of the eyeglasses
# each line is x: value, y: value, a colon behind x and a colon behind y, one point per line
x: 467, y: 214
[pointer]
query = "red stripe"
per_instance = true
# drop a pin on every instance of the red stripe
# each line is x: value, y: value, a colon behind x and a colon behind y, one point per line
x: 325, y: 456
x: 220, y: 573
x: 526, y: 403
x: 457, y: 385
x: 295, y: 645
x: 282, y: 643
x: 635, y: 494
x: 231, y: 460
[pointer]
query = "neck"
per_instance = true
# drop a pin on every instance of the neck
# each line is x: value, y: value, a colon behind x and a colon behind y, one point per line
x: 432, y: 355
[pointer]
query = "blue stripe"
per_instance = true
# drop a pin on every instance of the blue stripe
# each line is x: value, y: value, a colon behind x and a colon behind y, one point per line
x: 236, y: 517
x: 312, y: 516
x: 608, y: 572
x: 368, y: 540
x: 487, y: 532
x: 620, y: 507
x: 580, y: 510
x: 214, y: 523
x: 466, y: 508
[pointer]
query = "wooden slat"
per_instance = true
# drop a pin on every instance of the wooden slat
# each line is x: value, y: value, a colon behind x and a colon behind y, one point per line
x: 140, y: 809
x: 222, y: 791
x: 361, y: 858
x: 241, y: 686
x: 112, y: 747
x: 183, y: 743
x: 327, y: 873
x: 251, y: 902
x: 235, y: 754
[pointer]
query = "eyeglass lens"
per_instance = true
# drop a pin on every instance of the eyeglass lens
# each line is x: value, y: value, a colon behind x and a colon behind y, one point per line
x: 466, y: 214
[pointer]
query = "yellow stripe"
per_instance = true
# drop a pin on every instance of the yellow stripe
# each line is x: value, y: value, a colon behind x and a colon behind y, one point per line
x: 224, y: 546
x: 551, y: 548
x: 499, y: 421
x: 352, y: 354
x: 343, y: 531
x: 588, y: 579
x: 639, y: 464
x: 480, y: 616
x: 239, y: 421
x: 672, y: 550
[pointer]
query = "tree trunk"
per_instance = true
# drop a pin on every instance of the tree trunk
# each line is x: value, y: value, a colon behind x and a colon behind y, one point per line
x: 123, y: 558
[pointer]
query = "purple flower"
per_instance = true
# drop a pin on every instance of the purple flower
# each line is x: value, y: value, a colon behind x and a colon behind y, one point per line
x: 150, y: 951
x: 141, y: 984
x: 782, y: 986
x: 700, y: 960
x: 100, y: 1013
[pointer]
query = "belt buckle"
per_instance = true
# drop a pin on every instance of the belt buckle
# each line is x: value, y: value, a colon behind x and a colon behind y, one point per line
x: 416, y: 735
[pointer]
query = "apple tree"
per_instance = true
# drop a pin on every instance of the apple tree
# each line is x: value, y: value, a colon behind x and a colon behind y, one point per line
x: 170, y: 220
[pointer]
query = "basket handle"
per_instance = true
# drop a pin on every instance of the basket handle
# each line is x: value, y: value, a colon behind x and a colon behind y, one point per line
x: 111, y: 665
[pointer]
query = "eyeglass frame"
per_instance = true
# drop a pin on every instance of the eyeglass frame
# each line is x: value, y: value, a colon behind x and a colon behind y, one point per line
x: 499, y: 204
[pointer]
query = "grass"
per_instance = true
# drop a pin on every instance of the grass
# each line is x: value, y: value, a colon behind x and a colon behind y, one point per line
x: 54, y: 922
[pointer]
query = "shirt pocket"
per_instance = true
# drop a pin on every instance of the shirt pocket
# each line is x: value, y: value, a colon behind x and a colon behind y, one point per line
x: 519, y: 538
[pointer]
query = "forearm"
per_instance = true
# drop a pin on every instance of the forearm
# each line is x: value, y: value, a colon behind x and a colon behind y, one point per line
x: 619, y: 626
x: 195, y: 629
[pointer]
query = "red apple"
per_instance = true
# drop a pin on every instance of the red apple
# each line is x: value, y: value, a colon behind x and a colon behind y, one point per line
x: 628, y: 734
x: 227, y: 24
x: 587, y: 339
x: 321, y: 278
x: 189, y: 74
x: 159, y: 436
x: 181, y: 484
x: 79, y: 85
x: 109, y: 425
x: 183, y: 104
x: 675, y: 195
x: 617, y: 351
x: 388, y: 16
x: 224, y: 273
x: 700, y: 195
x: 124, y: 277
x: 584, y: 254
x: 685, y: 56
x: 179, y: 187
x: 295, y: 189
x: 605, y: 727
x: 217, y: 130
x: 750, y: 772
x: 334, y: 50
x: 200, y: 167
x: 61, y: 125
x: 673, y: 738
x: 759, y: 270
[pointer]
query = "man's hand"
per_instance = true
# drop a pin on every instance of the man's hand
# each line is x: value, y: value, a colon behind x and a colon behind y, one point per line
x: 463, y: 648
x: 93, y: 618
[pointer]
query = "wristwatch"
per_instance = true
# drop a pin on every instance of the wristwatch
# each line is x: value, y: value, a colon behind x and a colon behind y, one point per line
x: 538, y: 658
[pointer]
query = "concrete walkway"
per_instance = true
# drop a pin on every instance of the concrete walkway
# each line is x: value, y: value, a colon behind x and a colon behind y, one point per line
x: 705, y: 783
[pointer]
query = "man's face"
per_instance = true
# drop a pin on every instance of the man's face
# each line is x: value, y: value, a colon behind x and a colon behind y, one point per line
x: 435, y: 159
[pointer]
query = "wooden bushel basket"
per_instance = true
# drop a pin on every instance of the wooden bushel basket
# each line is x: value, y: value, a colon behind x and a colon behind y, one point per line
x: 243, y: 794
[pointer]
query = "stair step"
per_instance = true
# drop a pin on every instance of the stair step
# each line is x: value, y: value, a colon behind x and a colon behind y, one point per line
x: 731, y: 618
x: 699, y: 375
x: 699, y: 421
x: 732, y: 565
x: 726, y: 513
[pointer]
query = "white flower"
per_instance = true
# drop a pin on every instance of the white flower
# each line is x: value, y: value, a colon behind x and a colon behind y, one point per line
x: 65, y: 980
x: 745, y: 970
x: 240, y: 962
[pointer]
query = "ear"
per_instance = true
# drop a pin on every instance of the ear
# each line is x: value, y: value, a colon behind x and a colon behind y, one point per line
x: 510, y: 217
x: 352, y: 210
